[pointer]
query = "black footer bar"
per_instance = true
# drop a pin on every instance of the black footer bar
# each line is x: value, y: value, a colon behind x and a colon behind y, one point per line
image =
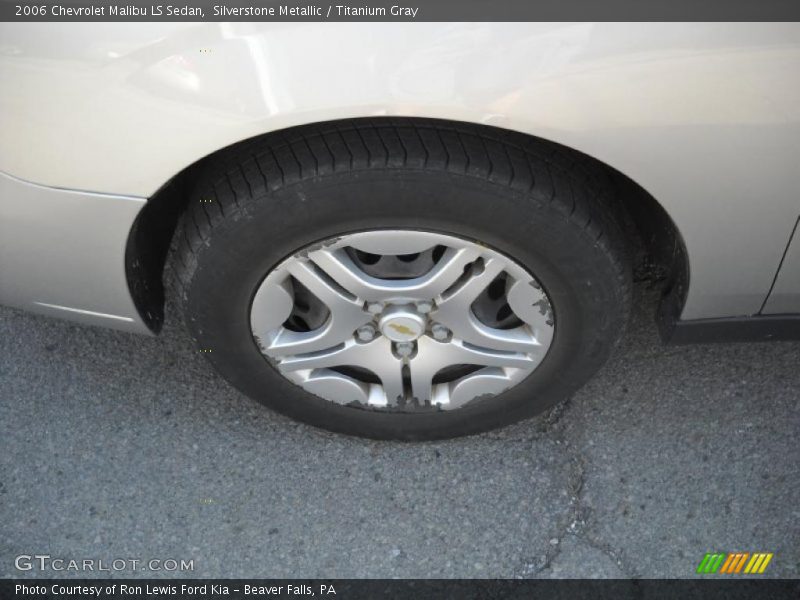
x: 405, y: 589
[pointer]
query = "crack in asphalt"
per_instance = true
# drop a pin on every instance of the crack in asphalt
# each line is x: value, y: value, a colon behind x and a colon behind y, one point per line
x: 552, y: 424
x: 577, y: 514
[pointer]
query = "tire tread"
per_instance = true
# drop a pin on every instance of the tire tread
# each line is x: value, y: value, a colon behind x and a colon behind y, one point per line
x: 576, y: 186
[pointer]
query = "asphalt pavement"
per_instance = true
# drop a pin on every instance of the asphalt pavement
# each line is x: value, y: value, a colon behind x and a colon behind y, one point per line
x: 116, y: 446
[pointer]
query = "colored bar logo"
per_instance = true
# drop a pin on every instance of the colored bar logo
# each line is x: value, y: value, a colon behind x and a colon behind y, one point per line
x: 734, y: 563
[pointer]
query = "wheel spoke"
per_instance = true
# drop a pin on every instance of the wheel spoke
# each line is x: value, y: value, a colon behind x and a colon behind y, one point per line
x: 391, y: 377
x: 433, y: 356
x: 272, y: 305
x: 455, y: 311
x: 446, y: 273
x: 465, y: 295
x: 346, y: 315
x: 375, y: 356
x: 491, y: 381
x: 348, y: 353
x: 335, y: 299
x: 337, y: 387
x: 341, y: 268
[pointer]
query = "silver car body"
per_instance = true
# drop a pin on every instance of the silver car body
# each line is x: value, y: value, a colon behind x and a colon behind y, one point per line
x: 96, y: 118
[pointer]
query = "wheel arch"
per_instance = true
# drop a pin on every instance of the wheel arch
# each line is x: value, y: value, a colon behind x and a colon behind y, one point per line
x: 657, y: 248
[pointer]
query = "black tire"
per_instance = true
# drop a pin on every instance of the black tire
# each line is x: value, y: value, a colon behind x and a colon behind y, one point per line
x: 537, y: 202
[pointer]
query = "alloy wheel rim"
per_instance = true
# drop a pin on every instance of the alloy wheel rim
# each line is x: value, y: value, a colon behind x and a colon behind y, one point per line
x: 402, y: 320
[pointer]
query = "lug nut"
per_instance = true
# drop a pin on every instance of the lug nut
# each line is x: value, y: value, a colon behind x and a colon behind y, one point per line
x: 375, y: 307
x: 424, y: 307
x: 365, y: 333
x: 439, y: 331
x: 404, y: 349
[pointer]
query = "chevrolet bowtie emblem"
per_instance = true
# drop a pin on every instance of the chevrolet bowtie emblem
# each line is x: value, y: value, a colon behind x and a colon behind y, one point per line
x: 402, y: 329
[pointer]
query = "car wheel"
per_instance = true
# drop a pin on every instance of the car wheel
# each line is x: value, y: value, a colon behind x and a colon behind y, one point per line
x: 402, y: 279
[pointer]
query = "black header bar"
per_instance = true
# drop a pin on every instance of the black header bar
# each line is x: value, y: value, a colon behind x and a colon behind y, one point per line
x: 400, y: 10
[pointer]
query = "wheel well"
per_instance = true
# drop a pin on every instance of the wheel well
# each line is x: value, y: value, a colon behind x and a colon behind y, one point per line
x: 657, y: 250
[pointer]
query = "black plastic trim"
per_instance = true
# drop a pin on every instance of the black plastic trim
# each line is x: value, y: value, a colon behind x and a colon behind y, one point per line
x: 147, y: 249
x: 759, y: 328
